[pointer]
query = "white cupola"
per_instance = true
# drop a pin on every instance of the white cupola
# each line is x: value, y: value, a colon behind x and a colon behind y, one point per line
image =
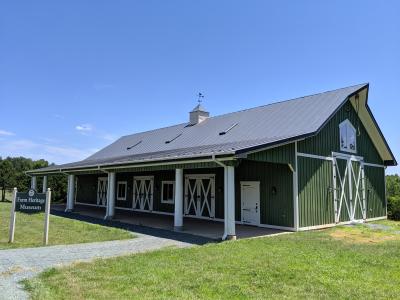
x: 198, y: 115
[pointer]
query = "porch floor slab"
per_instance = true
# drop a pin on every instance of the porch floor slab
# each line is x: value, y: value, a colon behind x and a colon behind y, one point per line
x: 205, y: 228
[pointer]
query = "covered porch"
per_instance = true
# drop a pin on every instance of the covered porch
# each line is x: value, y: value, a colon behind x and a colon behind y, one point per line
x: 217, y: 199
x: 212, y: 230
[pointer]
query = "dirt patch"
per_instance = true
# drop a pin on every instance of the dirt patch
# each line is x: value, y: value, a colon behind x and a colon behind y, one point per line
x: 362, y: 236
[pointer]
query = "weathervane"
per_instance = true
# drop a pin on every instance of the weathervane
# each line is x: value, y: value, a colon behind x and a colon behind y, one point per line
x: 200, y: 95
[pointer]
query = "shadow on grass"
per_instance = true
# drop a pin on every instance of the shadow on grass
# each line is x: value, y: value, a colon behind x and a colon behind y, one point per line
x: 157, y: 232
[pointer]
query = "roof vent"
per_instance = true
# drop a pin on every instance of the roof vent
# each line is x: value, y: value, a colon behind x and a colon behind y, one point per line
x: 228, y: 129
x: 129, y: 148
x: 171, y: 140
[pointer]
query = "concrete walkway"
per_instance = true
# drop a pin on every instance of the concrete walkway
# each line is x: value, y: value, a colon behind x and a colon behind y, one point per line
x: 18, y: 264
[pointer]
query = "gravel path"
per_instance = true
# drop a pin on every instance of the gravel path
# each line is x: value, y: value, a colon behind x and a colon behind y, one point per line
x: 18, y: 264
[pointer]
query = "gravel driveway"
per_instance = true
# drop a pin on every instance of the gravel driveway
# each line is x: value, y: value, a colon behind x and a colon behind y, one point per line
x: 18, y: 264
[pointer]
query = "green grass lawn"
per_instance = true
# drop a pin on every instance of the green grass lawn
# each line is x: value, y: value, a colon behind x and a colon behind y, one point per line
x: 29, y: 230
x: 340, y: 263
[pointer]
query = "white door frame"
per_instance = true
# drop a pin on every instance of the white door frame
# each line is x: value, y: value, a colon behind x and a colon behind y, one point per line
x: 257, y: 183
x: 192, y: 197
x: 139, y: 187
x: 102, y: 201
x: 353, y: 180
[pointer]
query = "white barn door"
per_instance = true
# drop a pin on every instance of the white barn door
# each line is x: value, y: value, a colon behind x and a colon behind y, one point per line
x: 102, y: 188
x: 143, y: 193
x: 200, y: 195
x: 349, y: 188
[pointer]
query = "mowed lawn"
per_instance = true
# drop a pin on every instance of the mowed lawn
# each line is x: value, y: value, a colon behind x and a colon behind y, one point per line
x: 29, y: 230
x: 338, y: 263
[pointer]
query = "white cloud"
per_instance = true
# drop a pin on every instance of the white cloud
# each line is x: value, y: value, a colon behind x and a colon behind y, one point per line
x: 84, y: 128
x: 53, y: 153
x: 6, y: 133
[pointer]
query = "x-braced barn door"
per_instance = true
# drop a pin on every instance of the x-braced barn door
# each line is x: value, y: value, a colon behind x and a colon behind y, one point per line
x: 143, y: 193
x: 349, y: 188
x: 102, y: 188
x: 200, y: 195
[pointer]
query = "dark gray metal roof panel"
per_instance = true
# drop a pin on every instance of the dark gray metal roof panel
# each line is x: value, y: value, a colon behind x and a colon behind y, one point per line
x: 256, y: 126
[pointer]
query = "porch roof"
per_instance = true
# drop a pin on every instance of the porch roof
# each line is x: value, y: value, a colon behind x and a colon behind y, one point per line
x: 229, y: 134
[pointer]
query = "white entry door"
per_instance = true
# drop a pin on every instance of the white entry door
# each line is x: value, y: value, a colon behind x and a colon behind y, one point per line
x: 143, y: 193
x: 102, y: 188
x: 250, y: 197
x: 200, y: 195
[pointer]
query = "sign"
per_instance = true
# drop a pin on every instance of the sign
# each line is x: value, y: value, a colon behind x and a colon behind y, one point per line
x: 30, y: 202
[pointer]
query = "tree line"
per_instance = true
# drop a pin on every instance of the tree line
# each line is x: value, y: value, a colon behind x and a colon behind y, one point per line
x: 12, y: 174
x: 393, y: 196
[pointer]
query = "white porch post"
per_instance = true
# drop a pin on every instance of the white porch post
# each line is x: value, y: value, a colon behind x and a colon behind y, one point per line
x: 44, y: 187
x: 229, y: 209
x: 178, y: 216
x: 295, y: 191
x: 33, y: 182
x: 110, y: 210
x: 70, y: 193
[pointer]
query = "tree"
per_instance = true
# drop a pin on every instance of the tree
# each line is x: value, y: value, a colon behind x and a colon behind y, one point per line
x: 393, y: 196
x: 7, y: 177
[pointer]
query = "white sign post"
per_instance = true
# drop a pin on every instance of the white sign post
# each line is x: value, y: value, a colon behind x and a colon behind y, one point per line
x: 47, y: 217
x: 12, y: 217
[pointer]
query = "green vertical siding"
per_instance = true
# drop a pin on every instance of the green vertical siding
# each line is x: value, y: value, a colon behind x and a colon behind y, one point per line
x: 87, y: 188
x: 375, y: 191
x: 315, y: 175
x: 283, y: 154
x: 327, y: 140
x: 315, y: 195
x: 276, y: 209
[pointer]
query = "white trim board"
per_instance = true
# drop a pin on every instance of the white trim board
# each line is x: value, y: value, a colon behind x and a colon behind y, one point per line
x: 341, y: 223
x: 374, y: 165
x: 314, y: 156
x: 90, y: 204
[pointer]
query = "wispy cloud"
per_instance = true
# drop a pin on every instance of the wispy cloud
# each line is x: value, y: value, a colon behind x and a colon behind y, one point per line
x: 57, y: 116
x: 6, y: 133
x: 53, y: 153
x: 84, y: 128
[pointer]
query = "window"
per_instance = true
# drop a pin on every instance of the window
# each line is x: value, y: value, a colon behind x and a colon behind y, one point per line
x: 121, y: 190
x: 347, y: 137
x: 168, y: 192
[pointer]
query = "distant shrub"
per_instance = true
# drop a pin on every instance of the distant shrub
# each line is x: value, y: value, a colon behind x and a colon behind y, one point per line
x: 394, y: 207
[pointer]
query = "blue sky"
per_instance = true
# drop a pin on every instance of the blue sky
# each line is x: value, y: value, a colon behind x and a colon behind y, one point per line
x: 75, y: 75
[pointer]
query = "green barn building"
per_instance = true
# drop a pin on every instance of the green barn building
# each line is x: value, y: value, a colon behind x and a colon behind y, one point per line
x: 300, y: 164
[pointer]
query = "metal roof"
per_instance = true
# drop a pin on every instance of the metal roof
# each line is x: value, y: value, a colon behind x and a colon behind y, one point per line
x: 256, y: 127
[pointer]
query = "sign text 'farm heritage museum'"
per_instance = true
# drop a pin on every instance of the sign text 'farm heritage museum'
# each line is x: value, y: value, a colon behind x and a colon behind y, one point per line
x: 30, y: 202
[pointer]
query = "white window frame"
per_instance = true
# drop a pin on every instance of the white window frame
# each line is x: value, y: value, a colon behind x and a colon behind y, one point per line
x: 168, y: 201
x: 126, y: 190
x: 348, y: 124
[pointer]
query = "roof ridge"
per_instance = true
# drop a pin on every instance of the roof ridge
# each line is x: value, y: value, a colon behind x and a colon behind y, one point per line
x: 287, y: 100
x: 247, y: 109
